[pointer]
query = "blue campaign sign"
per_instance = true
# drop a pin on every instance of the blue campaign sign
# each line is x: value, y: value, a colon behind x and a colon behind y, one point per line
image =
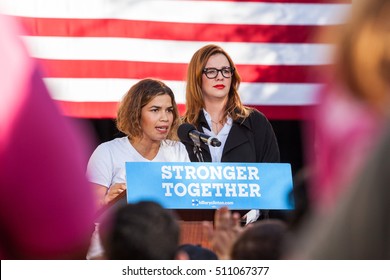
x: 201, y: 185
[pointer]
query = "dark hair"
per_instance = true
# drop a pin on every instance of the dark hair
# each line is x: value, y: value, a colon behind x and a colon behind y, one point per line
x: 143, y: 231
x: 197, y: 252
x: 262, y: 241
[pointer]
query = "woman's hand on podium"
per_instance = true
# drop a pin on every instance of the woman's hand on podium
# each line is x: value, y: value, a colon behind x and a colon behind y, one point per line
x: 113, y: 191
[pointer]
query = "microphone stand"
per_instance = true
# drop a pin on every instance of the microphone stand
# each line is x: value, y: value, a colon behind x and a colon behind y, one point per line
x: 198, y: 151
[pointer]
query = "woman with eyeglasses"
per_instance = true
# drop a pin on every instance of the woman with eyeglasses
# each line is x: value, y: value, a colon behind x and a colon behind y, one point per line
x: 214, y: 107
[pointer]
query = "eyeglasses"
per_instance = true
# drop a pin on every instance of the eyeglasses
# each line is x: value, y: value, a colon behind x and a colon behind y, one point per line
x: 212, y: 73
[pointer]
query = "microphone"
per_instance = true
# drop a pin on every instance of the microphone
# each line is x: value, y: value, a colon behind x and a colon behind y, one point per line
x: 188, y: 132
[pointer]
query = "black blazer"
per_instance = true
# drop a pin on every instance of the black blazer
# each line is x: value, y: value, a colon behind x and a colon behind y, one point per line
x: 249, y: 140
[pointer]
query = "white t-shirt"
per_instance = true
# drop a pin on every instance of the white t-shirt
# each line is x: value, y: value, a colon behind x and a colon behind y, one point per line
x: 106, y: 165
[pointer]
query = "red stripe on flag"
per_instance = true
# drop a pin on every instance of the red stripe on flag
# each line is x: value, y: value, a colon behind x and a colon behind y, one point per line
x: 286, y: 112
x: 104, y: 110
x: 112, y: 69
x: 176, y: 71
x: 99, y: 110
x: 171, y: 30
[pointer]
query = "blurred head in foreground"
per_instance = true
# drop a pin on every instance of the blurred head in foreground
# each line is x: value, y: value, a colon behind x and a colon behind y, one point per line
x: 140, y: 231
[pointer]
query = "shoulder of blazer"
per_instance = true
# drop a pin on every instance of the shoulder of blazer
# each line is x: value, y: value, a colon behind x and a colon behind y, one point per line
x: 255, y: 120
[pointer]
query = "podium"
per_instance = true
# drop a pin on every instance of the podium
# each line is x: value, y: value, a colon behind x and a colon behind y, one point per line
x: 191, y: 228
x: 194, y: 190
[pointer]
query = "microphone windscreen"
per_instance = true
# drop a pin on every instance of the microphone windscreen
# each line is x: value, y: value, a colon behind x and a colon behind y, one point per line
x: 183, y: 132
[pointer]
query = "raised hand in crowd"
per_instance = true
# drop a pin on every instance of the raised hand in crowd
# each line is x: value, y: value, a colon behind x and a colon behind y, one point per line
x: 224, y: 232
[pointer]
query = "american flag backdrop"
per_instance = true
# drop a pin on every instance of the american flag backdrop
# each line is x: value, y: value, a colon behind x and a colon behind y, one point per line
x: 92, y: 51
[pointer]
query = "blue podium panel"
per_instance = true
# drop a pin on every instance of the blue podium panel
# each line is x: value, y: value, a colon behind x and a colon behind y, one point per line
x: 200, y: 185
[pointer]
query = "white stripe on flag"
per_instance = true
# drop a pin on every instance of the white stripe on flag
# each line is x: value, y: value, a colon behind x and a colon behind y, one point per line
x: 128, y: 49
x: 183, y: 11
x: 106, y: 90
